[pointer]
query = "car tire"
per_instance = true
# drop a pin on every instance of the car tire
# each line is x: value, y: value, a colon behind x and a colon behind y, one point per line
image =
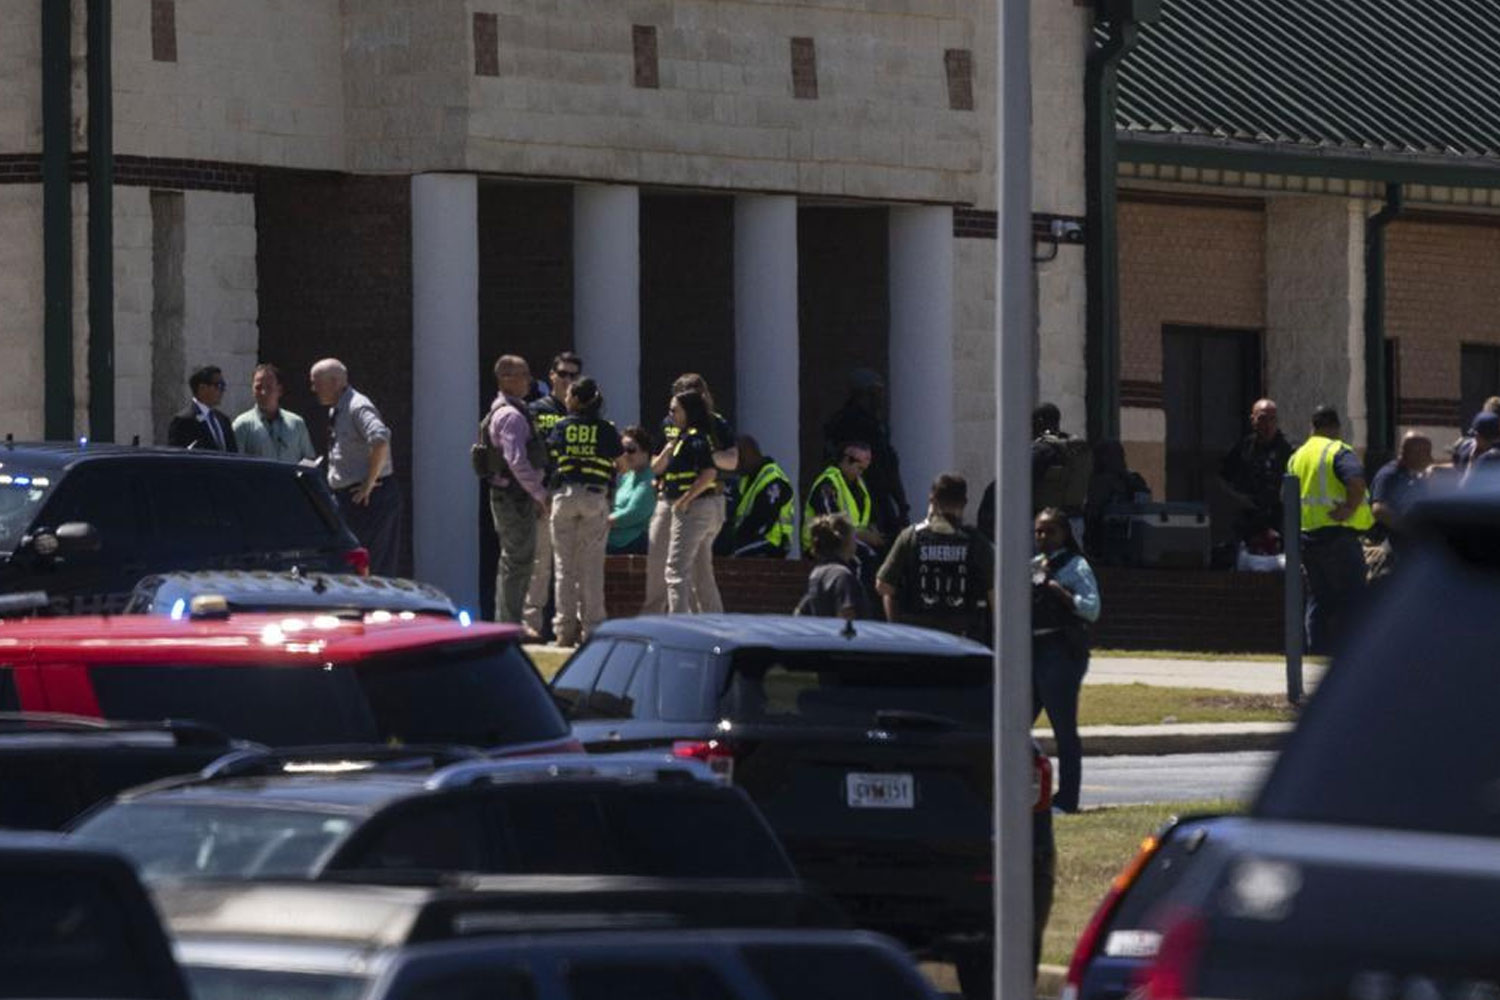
x: 975, y: 966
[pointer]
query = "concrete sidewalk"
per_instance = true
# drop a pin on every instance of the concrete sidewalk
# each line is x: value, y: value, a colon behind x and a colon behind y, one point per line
x: 1191, y: 737
x: 1245, y: 676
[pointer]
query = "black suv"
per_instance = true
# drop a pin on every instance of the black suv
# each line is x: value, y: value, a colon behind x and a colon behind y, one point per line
x: 869, y: 753
x: 379, y: 814
x: 85, y: 523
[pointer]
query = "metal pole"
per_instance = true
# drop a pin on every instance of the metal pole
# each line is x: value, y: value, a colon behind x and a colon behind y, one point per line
x: 101, y: 232
x: 1015, y: 368
x: 1291, y: 546
x: 57, y: 218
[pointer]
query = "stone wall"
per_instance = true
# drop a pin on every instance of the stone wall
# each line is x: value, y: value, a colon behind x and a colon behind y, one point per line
x: 20, y: 77
x: 974, y: 362
x: 250, y: 83
x: 21, y: 320
x: 724, y: 113
x: 221, y: 319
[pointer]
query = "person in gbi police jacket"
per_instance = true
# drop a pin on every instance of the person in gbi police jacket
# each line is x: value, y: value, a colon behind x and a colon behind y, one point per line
x: 1064, y: 602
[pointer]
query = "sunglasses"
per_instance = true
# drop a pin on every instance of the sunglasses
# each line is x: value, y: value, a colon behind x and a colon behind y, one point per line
x: 221, y: 384
x: 567, y: 373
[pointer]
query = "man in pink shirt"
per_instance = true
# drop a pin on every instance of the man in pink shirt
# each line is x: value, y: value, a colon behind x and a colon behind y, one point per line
x: 517, y: 496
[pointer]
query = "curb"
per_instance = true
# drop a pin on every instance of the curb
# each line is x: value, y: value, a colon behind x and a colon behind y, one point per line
x: 1154, y: 741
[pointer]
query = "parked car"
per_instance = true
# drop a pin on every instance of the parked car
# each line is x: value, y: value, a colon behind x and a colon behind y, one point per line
x: 75, y: 922
x: 1369, y: 863
x: 84, y: 523
x: 869, y: 754
x: 1121, y: 940
x: 353, y: 814
x: 216, y: 592
x: 653, y: 965
x: 54, y: 767
x: 286, y: 680
x: 234, y: 939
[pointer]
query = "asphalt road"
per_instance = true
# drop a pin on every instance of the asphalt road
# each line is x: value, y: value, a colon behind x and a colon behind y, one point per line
x: 1174, y: 778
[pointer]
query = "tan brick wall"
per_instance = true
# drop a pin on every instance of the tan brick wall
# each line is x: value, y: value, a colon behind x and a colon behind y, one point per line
x: 1185, y: 264
x: 20, y: 76
x: 1442, y: 286
x: 21, y: 321
x: 725, y: 115
x: 254, y: 82
x: 974, y: 362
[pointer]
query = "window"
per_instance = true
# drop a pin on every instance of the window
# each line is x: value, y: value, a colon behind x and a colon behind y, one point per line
x: 489, y: 983
x: 683, y: 685
x: 833, y: 689
x: 1479, y: 378
x: 665, y: 979
x: 106, y: 495
x: 576, y: 679
x: 19, y: 503
x: 609, y: 699
x: 192, y: 515
x: 1210, y: 378
x: 68, y: 934
x: 446, y: 836
x: 794, y: 972
x: 10, y: 700
x: 483, y: 695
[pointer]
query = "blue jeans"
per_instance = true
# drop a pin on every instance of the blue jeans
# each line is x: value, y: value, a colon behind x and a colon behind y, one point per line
x: 1333, y: 564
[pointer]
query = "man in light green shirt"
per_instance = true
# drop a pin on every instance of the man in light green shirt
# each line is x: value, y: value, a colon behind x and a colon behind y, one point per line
x: 268, y: 431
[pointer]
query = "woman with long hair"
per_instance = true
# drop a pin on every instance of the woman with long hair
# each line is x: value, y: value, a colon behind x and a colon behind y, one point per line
x: 584, y: 448
x: 687, y: 472
x: 833, y: 589
x: 1064, y: 602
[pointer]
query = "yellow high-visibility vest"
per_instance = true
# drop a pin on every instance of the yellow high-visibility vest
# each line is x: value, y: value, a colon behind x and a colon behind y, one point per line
x: 780, y: 531
x: 856, y: 507
x: 1321, y: 489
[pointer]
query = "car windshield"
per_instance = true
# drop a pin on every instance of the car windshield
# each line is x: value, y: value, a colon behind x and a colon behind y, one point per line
x: 215, y: 983
x: 177, y: 839
x: 21, y: 496
x: 487, y: 695
x: 859, y: 689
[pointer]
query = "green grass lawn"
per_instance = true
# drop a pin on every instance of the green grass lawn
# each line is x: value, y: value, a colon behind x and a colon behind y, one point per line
x: 548, y: 661
x: 1147, y: 705
x: 1178, y: 654
x: 1092, y: 847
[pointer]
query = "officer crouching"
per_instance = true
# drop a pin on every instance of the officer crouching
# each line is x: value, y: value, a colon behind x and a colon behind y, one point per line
x: 939, y: 573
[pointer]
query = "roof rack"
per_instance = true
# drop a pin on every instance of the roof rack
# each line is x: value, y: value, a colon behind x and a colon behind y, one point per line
x: 336, y: 759
x: 640, y: 768
x: 186, y: 732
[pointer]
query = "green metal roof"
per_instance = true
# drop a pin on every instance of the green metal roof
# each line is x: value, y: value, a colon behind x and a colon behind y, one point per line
x: 1389, y: 81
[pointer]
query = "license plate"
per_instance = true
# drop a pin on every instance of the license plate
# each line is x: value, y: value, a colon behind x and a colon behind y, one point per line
x: 881, y: 791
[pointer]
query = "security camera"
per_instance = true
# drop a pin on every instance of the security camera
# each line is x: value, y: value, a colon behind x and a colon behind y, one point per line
x: 1067, y: 231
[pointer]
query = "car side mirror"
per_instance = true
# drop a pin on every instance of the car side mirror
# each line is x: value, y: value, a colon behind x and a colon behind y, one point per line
x: 77, y: 536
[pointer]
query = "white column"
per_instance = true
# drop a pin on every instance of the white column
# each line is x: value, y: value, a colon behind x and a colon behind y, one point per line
x: 921, y: 348
x: 607, y: 293
x: 445, y: 398
x: 766, y: 361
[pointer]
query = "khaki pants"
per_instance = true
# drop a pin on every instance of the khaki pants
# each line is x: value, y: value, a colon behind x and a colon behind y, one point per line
x: 705, y: 588
x: 535, y: 608
x: 691, y: 539
x: 657, y: 537
x: 580, y: 528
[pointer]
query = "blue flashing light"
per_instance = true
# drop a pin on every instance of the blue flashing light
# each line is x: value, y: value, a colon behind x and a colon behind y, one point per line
x: 83, y: 442
x: 179, y: 608
x: 22, y: 480
x: 465, y: 619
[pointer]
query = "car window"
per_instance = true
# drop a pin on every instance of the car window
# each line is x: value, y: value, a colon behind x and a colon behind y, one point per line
x: 431, y: 836
x: 641, y: 691
x: 67, y: 934
x: 107, y: 496
x: 573, y: 683
x: 190, y: 840
x: 806, y: 973
x: 22, y: 494
x: 280, y: 507
x: 683, y: 683
x: 680, y: 831
x: 664, y: 979
x: 480, y: 695
x: 850, y: 689
x: 192, y: 512
x: 610, y: 698
x: 10, y: 701
x: 207, y: 982
x: 488, y: 983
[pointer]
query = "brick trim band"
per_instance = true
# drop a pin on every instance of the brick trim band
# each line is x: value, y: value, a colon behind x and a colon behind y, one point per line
x: 975, y: 224
x: 154, y: 171
x: 1441, y: 412
x: 1142, y: 394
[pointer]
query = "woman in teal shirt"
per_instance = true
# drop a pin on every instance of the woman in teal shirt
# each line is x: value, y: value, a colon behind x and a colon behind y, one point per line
x: 635, y: 499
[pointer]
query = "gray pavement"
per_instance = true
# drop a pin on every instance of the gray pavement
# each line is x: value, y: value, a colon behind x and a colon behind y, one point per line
x: 1245, y: 676
x: 1121, y: 781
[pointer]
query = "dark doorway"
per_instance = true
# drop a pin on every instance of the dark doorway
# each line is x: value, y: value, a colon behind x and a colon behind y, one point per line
x: 1479, y: 378
x: 1210, y: 379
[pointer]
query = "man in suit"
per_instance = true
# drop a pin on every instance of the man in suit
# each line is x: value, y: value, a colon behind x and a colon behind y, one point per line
x: 201, y: 425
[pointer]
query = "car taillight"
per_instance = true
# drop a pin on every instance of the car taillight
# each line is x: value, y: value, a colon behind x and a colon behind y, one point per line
x: 717, y: 755
x: 1172, y: 976
x: 358, y: 560
x: 1041, y: 792
x: 1088, y: 941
